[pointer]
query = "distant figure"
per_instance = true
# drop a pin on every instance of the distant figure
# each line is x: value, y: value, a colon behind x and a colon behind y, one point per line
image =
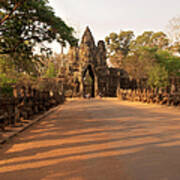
x: 87, y: 96
x: 100, y: 95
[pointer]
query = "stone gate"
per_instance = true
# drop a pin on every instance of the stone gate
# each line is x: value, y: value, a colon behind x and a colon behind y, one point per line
x: 92, y: 59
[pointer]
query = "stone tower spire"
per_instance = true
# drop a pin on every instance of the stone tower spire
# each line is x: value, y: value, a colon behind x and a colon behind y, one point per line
x: 88, y: 37
x: 88, y: 48
x: 101, y: 53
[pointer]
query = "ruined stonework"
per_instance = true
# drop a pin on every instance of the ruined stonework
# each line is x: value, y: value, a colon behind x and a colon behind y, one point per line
x: 88, y: 70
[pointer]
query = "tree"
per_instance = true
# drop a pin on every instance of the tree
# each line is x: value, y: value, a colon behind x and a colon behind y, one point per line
x: 158, y: 77
x: 159, y: 40
x: 118, y: 45
x: 141, y: 41
x: 169, y: 61
x: 175, y: 48
x: 150, y: 39
x: 26, y: 23
x: 138, y: 64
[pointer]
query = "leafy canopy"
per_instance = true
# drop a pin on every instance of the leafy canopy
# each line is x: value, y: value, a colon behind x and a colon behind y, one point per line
x: 118, y: 46
x: 158, y: 76
x: 27, y: 23
x: 119, y: 43
x: 150, y: 39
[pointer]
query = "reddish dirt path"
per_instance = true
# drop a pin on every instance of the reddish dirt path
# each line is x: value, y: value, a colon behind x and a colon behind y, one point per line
x: 97, y: 140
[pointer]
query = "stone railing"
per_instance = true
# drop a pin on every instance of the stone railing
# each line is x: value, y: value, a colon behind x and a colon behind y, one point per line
x: 157, y: 96
x: 25, y: 103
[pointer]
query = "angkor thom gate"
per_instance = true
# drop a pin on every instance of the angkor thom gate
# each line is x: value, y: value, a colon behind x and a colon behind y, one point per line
x: 88, y: 70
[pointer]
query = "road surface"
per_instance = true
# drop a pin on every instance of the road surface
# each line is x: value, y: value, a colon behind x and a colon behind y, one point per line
x: 97, y: 139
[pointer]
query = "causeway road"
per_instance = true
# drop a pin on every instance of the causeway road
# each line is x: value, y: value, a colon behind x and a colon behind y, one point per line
x: 97, y: 139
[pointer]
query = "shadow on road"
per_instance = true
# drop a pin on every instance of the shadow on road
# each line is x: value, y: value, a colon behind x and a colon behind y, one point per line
x: 97, y: 139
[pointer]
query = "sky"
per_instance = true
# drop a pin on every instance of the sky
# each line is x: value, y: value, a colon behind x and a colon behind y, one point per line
x: 106, y: 16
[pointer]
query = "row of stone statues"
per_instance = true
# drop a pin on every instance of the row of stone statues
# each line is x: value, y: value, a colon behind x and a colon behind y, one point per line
x: 150, y: 95
x: 25, y: 103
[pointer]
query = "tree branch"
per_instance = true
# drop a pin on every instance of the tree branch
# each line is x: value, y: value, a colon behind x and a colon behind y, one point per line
x: 9, y: 15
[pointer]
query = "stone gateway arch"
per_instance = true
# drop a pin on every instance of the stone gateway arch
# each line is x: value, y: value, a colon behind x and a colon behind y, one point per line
x: 89, y: 72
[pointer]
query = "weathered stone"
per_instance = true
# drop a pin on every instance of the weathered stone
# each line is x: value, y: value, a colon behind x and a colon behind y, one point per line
x: 25, y: 103
x: 89, y: 58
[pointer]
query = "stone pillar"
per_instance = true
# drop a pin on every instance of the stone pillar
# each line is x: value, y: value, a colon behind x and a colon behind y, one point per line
x: 81, y: 89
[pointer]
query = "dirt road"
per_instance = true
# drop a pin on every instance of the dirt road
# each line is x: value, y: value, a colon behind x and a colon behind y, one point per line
x: 97, y: 140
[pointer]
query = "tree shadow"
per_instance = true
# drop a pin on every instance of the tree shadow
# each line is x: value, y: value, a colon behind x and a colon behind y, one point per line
x: 82, y: 140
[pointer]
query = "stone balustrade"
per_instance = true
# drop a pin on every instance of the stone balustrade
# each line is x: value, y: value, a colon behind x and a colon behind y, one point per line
x: 157, y: 96
x: 25, y: 103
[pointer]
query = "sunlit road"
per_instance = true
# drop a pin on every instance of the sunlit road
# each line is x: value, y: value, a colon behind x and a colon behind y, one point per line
x: 97, y: 140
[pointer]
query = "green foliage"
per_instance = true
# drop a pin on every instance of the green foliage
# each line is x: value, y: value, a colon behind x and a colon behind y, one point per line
x: 26, y: 23
x: 149, y: 56
x: 7, y: 72
x: 141, y: 41
x: 51, y: 71
x: 155, y: 65
x: 118, y: 45
x: 175, y: 48
x: 9, y: 75
x: 119, y: 42
x: 5, y: 80
x: 159, y: 40
x: 6, y: 65
x: 138, y: 64
x: 124, y: 44
x: 169, y: 61
x: 6, y: 84
x: 6, y: 90
x: 158, y: 77
x: 151, y: 40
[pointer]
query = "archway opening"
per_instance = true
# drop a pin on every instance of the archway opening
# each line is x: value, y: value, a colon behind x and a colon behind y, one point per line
x: 88, y: 82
